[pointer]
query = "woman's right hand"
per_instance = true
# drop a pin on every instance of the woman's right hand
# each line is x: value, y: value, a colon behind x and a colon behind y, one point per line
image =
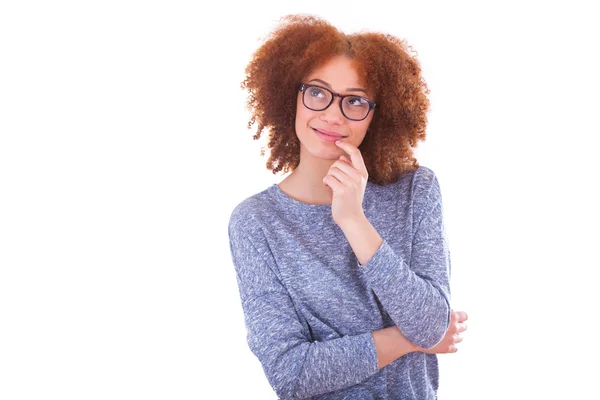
x: 452, y: 336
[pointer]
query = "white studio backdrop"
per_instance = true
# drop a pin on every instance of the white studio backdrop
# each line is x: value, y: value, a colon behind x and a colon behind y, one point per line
x: 124, y: 148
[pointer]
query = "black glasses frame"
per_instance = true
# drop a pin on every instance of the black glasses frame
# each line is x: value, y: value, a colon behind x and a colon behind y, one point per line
x: 305, y: 86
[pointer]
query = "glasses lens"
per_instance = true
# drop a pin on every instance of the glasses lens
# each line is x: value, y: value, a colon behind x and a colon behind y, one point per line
x: 316, y: 98
x: 355, y: 107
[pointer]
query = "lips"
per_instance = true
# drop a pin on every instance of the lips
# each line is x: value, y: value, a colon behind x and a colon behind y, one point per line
x: 329, y: 133
x: 328, y: 136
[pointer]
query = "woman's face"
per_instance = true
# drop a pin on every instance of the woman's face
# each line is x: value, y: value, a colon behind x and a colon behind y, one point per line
x: 339, y: 76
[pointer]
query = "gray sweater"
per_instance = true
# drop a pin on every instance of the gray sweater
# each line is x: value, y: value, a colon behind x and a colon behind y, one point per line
x: 310, y: 307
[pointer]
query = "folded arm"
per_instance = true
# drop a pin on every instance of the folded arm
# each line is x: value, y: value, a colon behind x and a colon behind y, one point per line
x: 415, y: 293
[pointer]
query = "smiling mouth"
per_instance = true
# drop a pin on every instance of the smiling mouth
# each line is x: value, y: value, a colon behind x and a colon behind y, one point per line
x: 328, y: 134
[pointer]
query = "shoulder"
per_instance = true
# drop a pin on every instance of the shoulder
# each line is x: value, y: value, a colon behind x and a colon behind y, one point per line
x: 426, y: 193
x: 247, y: 214
x: 419, y: 187
x: 414, y: 184
x: 411, y: 193
x: 425, y: 183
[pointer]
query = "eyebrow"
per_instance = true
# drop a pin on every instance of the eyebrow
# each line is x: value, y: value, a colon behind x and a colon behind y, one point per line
x: 348, y: 89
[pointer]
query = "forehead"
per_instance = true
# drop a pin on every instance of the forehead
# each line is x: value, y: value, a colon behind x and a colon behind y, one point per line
x: 340, y: 72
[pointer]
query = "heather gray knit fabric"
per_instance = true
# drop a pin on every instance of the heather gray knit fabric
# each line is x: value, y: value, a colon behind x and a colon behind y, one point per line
x: 310, y: 307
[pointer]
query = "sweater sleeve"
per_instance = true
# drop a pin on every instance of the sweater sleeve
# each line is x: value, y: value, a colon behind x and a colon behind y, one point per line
x: 295, y: 366
x: 416, y: 292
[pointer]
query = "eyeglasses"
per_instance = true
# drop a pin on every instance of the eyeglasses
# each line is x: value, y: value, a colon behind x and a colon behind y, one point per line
x: 317, y: 98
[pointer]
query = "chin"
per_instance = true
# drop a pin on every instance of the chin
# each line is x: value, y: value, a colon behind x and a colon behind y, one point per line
x: 326, y: 154
x: 318, y: 148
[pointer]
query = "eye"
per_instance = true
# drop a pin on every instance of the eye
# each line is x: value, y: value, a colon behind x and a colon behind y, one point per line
x: 316, y: 92
x: 357, y: 101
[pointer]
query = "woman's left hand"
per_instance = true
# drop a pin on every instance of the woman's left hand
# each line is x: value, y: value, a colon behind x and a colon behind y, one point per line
x: 452, y: 337
x: 347, y: 178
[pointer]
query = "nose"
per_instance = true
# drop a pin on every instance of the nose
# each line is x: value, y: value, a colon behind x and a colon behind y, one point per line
x: 333, y: 114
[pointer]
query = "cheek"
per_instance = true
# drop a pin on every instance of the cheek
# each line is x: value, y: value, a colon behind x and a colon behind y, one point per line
x: 360, y: 128
x: 359, y: 132
x: 367, y: 122
x: 302, y: 116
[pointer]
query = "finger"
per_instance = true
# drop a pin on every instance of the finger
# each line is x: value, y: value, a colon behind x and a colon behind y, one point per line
x: 461, y: 328
x: 346, y: 159
x: 341, y: 176
x: 355, y: 156
x: 348, y: 169
x: 453, y: 316
x: 333, y: 183
x: 461, y: 316
x: 458, y: 338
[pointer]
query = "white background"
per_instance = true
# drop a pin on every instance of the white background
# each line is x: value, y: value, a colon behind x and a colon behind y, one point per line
x: 124, y: 148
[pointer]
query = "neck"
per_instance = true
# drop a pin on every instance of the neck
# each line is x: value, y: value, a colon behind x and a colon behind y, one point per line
x: 305, y: 183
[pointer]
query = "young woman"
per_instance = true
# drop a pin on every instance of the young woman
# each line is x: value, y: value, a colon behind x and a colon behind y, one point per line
x: 343, y: 267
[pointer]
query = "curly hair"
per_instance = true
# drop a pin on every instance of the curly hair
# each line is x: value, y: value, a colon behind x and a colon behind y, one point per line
x: 384, y: 64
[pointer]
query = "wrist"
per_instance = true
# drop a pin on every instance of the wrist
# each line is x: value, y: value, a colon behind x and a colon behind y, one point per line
x: 363, y: 238
x: 391, y: 344
x: 354, y: 224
